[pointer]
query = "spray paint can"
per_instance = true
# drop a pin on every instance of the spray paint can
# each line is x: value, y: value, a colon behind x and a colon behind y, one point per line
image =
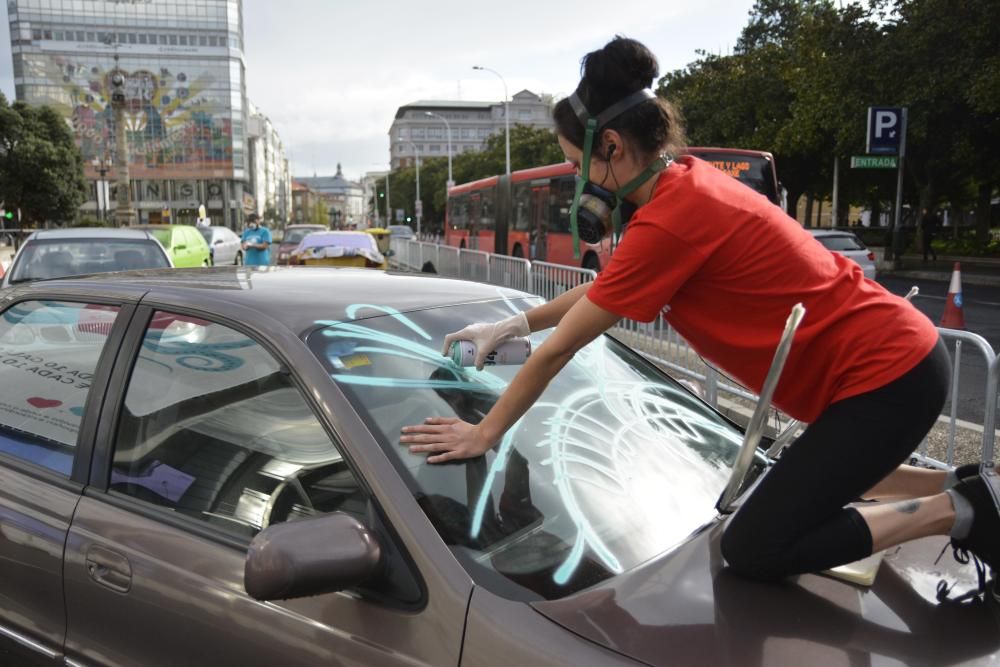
x: 509, y: 353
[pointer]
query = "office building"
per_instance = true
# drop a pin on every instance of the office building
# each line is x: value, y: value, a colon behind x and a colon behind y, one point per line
x: 471, y: 124
x: 186, y: 116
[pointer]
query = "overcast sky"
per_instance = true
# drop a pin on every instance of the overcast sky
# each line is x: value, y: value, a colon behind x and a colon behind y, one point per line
x: 330, y: 74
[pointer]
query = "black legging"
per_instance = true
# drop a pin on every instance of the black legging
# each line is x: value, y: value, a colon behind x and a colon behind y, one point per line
x: 795, y: 520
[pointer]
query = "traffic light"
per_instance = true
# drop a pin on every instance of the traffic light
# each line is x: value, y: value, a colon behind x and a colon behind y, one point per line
x: 9, y: 215
x: 381, y: 195
x: 409, y: 219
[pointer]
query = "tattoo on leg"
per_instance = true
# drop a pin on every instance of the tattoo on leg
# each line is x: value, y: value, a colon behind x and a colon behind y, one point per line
x: 908, y: 506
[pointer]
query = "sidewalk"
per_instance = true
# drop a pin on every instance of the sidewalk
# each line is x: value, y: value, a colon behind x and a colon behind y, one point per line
x: 975, y: 270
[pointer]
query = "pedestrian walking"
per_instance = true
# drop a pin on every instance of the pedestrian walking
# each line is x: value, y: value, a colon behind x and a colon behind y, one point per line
x: 724, y: 267
x: 928, y: 227
x: 256, y: 241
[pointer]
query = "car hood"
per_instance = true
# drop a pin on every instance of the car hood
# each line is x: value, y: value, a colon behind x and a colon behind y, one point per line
x: 687, y: 608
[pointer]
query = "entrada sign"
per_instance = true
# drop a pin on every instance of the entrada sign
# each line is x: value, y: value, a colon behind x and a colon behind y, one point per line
x: 874, y: 162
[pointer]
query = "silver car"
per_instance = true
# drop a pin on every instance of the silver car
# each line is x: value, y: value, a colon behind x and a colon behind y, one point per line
x: 848, y: 245
x: 224, y: 245
x: 58, y: 253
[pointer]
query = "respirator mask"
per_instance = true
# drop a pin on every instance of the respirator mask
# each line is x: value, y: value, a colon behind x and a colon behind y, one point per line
x: 595, y: 210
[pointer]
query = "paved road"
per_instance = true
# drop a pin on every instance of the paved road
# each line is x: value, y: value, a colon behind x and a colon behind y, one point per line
x: 981, y: 307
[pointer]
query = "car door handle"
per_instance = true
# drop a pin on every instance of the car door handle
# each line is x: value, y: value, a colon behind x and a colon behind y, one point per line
x: 109, y: 568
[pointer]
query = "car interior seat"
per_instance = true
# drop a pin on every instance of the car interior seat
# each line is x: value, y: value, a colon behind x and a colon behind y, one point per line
x: 56, y: 264
x: 129, y: 260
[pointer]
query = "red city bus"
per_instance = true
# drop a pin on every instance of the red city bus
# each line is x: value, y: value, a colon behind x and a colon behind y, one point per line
x: 535, y: 223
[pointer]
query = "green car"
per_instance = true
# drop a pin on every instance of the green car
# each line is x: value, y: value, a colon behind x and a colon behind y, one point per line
x: 184, y: 244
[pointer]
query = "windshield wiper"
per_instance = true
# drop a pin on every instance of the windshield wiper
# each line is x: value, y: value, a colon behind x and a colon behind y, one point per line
x: 756, y: 426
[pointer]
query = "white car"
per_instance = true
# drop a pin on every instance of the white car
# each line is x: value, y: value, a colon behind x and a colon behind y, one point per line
x: 224, y: 245
x: 848, y: 245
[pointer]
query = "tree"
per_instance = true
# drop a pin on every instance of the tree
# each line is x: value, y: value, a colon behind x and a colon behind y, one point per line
x: 41, y: 169
x: 319, y: 215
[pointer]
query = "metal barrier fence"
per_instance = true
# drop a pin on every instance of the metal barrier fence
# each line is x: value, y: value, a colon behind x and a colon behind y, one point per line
x: 664, y: 346
x: 474, y: 265
x: 512, y: 272
x: 551, y: 280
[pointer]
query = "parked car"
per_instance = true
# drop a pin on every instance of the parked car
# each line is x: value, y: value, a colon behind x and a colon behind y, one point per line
x: 292, y: 237
x: 57, y: 253
x: 178, y: 446
x: 223, y: 245
x: 184, y: 243
x: 401, y: 231
x: 848, y: 245
x: 339, y: 249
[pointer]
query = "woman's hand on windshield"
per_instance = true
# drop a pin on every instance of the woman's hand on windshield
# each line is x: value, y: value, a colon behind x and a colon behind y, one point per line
x: 445, y: 439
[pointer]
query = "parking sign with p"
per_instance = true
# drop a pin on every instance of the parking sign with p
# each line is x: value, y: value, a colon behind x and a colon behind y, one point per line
x: 885, y: 129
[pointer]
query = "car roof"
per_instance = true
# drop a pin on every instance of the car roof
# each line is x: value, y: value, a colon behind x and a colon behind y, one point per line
x: 90, y: 233
x: 296, y: 296
x: 304, y: 225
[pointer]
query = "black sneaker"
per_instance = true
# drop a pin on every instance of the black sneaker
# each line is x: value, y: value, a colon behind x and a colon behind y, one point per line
x: 967, y: 470
x: 983, y: 541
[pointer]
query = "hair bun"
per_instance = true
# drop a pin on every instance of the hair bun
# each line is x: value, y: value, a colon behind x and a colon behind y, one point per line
x: 620, y: 68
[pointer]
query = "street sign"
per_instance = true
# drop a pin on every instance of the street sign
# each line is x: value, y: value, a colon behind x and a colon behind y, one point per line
x: 874, y: 162
x: 885, y: 130
x: 418, y: 207
x: 400, y: 213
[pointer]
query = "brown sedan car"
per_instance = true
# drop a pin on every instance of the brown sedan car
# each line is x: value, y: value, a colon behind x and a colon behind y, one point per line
x: 203, y: 468
x: 290, y: 240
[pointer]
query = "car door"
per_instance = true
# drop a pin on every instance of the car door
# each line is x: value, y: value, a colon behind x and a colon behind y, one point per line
x: 55, y: 356
x: 211, y: 440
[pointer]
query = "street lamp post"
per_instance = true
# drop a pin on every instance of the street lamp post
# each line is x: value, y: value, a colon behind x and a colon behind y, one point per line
x: 444, y: 120
x: 418, y: 206
x: 506, y: 110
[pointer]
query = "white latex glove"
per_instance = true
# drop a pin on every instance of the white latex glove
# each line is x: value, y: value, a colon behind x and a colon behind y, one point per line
x: 488, y: 335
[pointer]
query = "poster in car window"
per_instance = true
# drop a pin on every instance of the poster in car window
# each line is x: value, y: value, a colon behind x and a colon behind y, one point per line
x: 48, y: 353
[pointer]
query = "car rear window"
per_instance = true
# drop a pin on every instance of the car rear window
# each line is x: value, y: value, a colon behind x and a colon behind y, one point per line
x: 841, y: 242
x: 73, y: 257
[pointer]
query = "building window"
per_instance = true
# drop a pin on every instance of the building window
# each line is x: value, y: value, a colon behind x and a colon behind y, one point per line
x: 434, y: 148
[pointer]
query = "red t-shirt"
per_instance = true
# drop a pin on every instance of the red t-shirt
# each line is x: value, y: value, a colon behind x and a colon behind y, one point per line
x: 725, y: 266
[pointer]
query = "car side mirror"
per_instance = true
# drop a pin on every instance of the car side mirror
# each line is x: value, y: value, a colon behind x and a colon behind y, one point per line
x: 390, y: 253
x: 310, y: 557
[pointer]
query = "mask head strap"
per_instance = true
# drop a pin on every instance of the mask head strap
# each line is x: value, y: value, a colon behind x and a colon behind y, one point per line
x: 661, y: 163
x: 591, y: 126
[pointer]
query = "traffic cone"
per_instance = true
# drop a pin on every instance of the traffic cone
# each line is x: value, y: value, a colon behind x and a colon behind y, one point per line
x: 953, y: 317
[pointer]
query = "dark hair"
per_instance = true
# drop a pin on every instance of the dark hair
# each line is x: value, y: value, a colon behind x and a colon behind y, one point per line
x: 610, y: 74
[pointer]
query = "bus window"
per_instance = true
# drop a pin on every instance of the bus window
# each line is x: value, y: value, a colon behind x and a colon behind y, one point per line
x: 560, y: 200
x: 522, y: 207
x: 458, y: 214
x: 487, y: 220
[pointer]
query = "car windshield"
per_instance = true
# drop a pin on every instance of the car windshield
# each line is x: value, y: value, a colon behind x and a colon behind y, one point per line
x: 73, y: 257
x: 841, y: 242
x: 613, y: 465
x: 296, y: 235
x: 206, y: 232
